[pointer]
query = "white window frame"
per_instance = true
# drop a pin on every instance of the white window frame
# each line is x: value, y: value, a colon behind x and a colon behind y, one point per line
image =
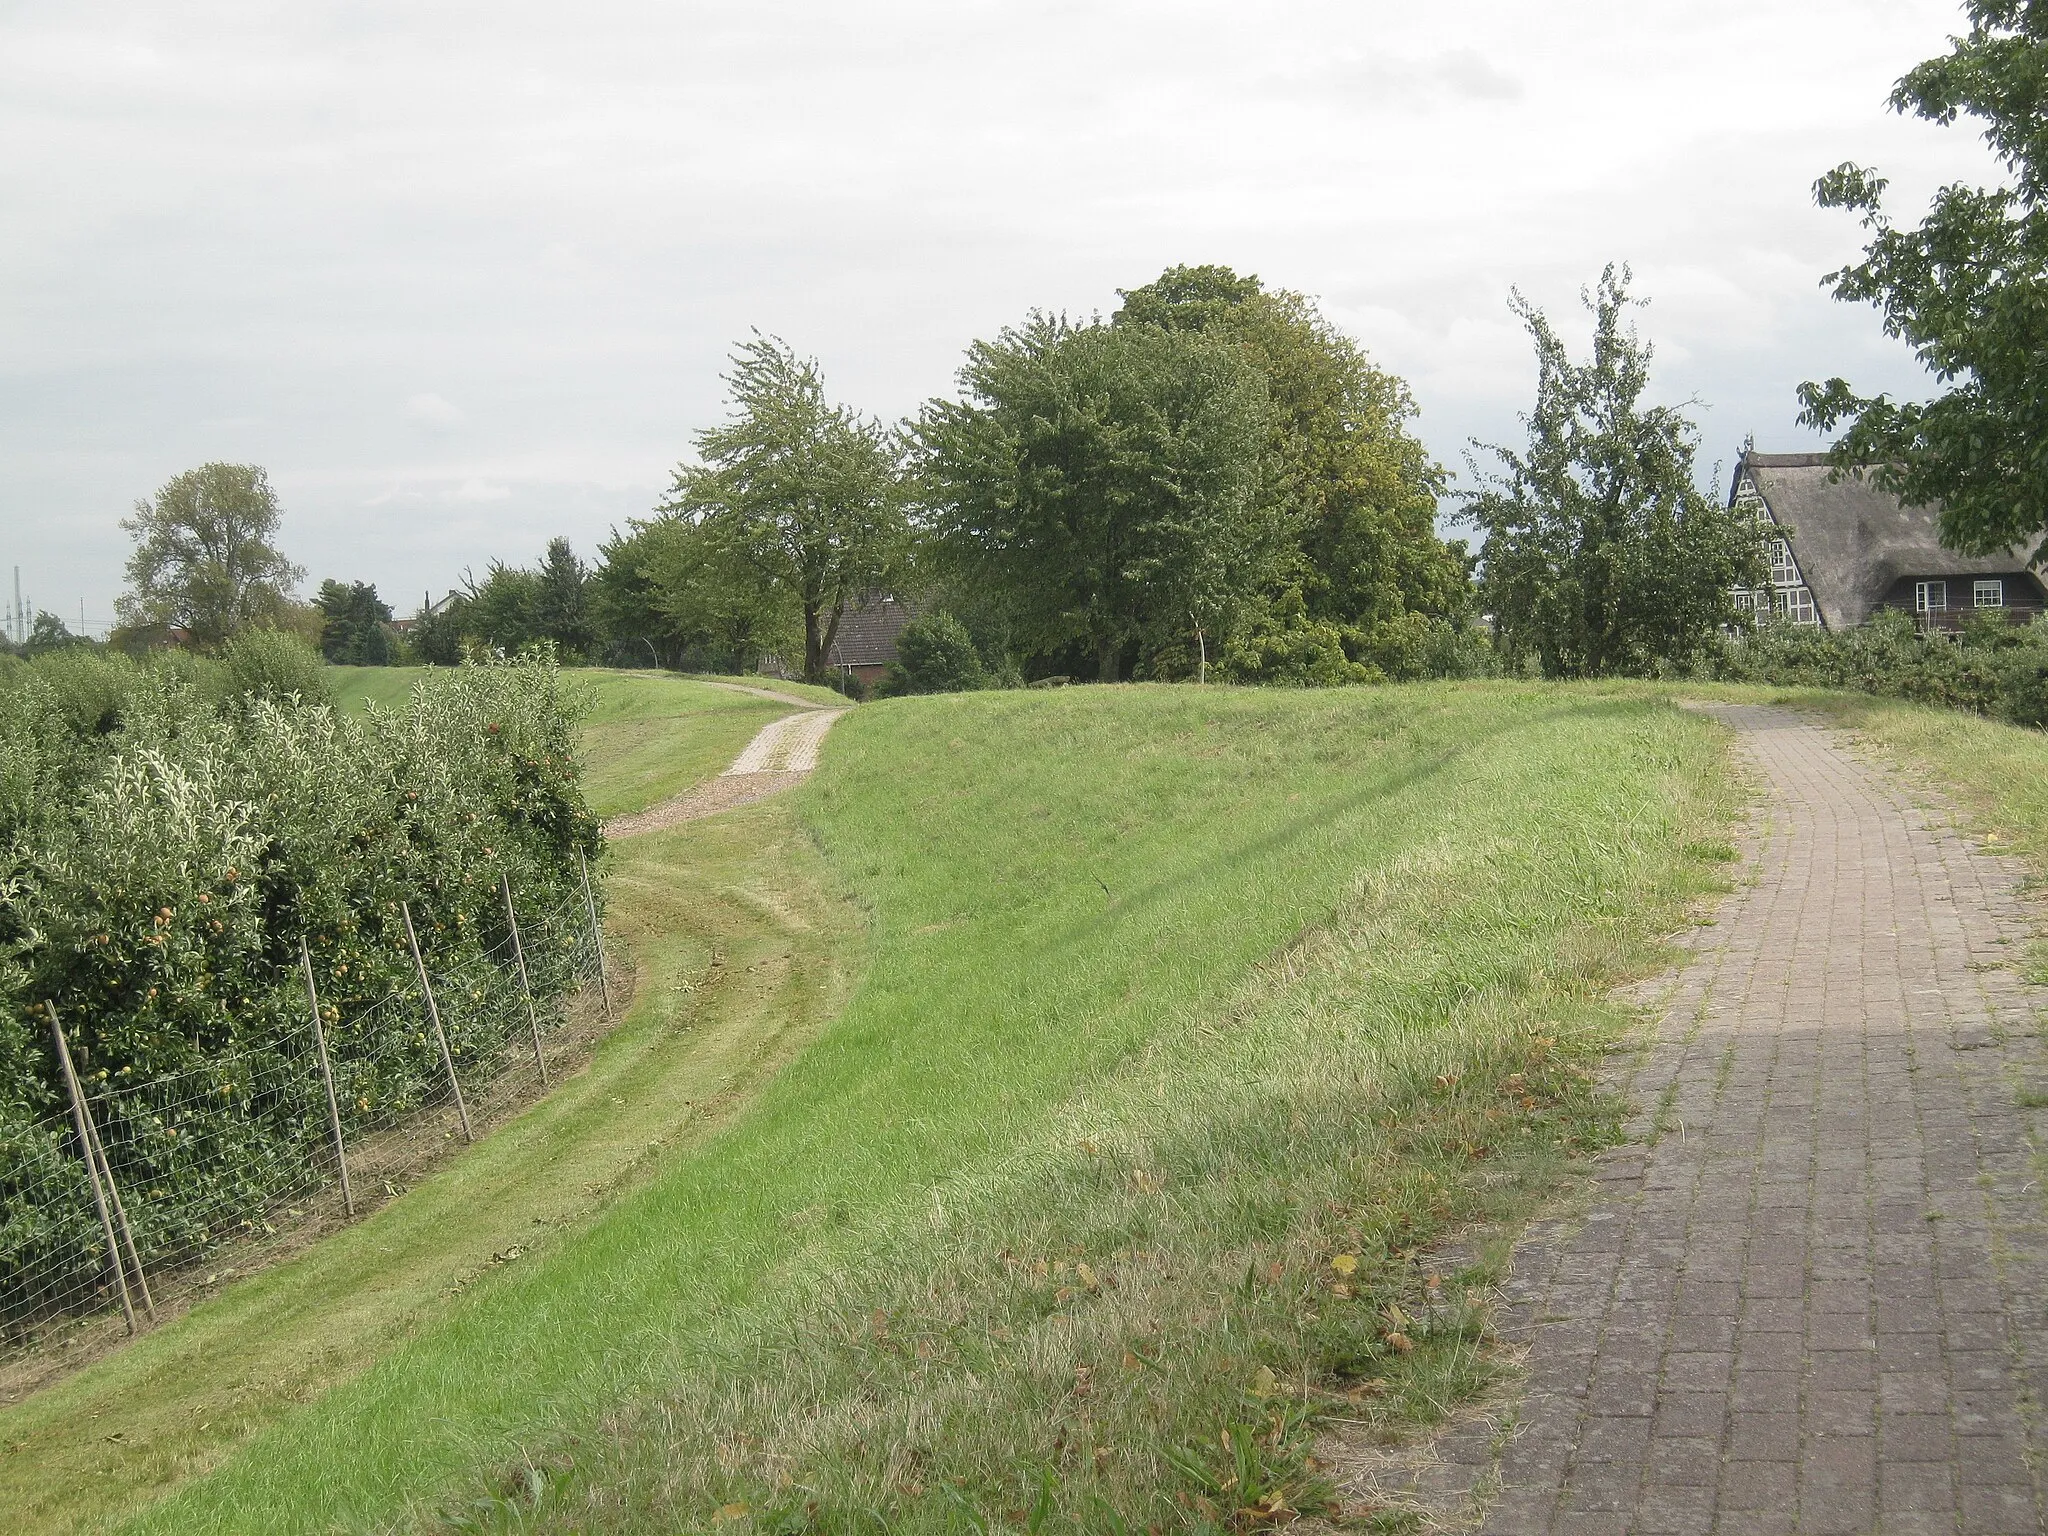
x: 1784, y: 569
x: 1987, y: 592
x: 1795, y: 604
x: 1924, y: 593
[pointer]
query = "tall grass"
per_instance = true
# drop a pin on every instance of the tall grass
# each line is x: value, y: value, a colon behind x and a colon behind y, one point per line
x: 1189, y: 1014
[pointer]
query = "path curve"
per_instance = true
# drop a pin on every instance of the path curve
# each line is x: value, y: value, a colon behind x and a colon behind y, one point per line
x: 782, y: 754
x: 1812, y: 1295
x: 765, y: 693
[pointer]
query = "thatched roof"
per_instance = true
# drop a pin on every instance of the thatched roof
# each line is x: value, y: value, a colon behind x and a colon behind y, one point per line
x: 1852, y: 540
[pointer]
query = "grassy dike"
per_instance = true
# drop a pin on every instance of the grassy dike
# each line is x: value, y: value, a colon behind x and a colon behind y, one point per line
x: 742, y: 946
x: 1187, y: 1016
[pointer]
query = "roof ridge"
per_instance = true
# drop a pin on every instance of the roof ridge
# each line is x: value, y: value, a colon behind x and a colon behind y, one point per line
x: 1786, y: 460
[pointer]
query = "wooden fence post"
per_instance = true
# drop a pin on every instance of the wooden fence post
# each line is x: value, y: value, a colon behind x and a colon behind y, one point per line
x: 92, y: 1167
x: 434, y: 1017
x: 348, y: 1195
x: 596, y: 934
x: 99, y: 1150
x: 525, y: 986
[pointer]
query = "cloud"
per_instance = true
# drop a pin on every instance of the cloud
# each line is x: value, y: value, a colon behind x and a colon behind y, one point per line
x: 1383, y: 77
x: 308, y: 211
x: 431, y: 410
x: 1469, y: 73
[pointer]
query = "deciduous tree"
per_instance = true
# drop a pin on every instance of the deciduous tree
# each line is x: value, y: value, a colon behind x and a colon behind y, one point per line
x: 1967, y: 289
x: 1358, y: 491
x: 204, y: 559
x: 798, y: 497
x: 1104, y: 481
x: 1603, y: 556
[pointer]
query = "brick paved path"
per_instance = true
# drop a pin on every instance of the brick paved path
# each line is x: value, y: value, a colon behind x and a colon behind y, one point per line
x: 1817, y: 1300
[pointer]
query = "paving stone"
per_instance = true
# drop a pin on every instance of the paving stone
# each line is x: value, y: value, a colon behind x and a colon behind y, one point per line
x: 1766, y: 1392
x: 1917, y: 1437
x: 1841, y: 1413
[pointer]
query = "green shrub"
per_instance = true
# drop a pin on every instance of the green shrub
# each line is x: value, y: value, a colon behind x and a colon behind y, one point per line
x: 1288, y: 648
x: 934, y: 654
x: 1990, y: 667
x: 274, y: 664
x: 168, y: 834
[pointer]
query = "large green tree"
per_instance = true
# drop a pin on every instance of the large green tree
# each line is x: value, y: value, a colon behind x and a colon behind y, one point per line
x: 1104, y: 482
x: 354, y: 620
x: 1967, y: 289
x: 1603, y: 556
x: 205, y: 557
x: 561, y: 601
x: 670, y: 592
x: 798, y: 497
x: 1357, y: 489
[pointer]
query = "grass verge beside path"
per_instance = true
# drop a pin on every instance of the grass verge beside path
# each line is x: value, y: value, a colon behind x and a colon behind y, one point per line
x: 1190, y: 1014
x: 646, y: 736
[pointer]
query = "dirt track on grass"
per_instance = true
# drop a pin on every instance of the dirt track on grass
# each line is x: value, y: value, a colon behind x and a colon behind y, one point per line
x: 781, y: 755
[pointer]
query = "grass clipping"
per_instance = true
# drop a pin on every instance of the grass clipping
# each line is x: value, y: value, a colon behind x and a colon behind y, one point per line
x: 1143, y: 1318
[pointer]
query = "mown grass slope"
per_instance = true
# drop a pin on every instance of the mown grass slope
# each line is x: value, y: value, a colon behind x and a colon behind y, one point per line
x: 1188, y: 1014
x: 742, y: 949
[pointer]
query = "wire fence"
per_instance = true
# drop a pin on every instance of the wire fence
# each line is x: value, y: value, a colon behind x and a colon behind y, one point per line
x: 144, y: 1182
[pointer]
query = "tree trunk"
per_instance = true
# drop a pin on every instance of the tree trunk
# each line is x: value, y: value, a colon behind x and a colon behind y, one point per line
x: 1105, y: 661
x: 815, y: 646
x: 820, y: 630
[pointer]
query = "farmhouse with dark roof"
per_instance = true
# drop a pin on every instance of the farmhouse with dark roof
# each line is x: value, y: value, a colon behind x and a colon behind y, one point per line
x: 1843, y: 549
x: 866, y: 640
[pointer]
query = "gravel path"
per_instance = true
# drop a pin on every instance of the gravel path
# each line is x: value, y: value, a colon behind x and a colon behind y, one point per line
x: 1812, y: 1295
x: 782, y: 754
x: 789, y: 745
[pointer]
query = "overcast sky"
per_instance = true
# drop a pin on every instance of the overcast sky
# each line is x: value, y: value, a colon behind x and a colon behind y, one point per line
x: 463, y: 276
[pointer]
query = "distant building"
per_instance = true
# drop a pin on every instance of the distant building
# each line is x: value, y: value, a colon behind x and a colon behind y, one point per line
x: 430, y: 607
x: 866, y: 642
x: 1843, y: 549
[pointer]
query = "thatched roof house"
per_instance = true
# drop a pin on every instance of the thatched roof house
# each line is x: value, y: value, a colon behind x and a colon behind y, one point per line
x: 1846, y: 549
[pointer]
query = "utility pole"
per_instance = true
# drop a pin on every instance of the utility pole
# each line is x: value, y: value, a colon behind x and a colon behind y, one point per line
x: 20, y: 630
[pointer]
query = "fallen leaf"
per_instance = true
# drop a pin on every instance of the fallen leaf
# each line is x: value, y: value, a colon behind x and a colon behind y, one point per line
x: 729, y: 1512
x: 1400, y: 1342
x: 1345, y: 1263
